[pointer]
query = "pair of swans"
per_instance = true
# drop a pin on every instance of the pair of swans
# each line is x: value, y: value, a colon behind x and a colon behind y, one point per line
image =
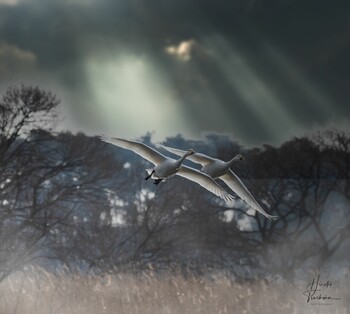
x: 212, y: 168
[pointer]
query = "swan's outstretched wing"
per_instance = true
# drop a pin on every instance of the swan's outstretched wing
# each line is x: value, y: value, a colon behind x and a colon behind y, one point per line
x: 139, y: 148
x: 237, y: 186
x: 197, y: 157
x: 205, y: 181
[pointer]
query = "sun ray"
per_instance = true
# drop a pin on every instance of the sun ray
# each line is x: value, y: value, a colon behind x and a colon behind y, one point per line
x: 252, y: 89
x: 133, y: 92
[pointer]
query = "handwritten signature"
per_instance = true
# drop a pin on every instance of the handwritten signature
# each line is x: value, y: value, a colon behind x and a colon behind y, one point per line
x: 318, y: 290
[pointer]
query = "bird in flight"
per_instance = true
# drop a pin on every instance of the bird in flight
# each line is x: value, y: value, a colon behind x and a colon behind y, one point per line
x: 165, y: 167
x: 219, y: 169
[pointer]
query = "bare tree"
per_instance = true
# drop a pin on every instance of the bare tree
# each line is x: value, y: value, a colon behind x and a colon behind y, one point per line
x: 46, y: 180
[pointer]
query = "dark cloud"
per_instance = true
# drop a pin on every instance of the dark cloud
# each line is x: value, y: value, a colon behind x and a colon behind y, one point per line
x: 257, y: 69
x: 13, y: 59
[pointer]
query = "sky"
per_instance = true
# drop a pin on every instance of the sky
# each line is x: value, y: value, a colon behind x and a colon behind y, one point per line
x: 259, y: 71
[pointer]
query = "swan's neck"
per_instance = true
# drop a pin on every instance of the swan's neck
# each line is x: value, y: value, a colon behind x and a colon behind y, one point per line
x: 231, y: 162
x: 180, y: 161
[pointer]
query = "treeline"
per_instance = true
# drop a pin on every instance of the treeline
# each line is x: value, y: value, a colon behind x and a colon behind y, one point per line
x: 74, y: 201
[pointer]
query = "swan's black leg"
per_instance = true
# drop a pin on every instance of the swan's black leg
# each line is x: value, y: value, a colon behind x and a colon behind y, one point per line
x: 157, y: 181
x: 150, y: 175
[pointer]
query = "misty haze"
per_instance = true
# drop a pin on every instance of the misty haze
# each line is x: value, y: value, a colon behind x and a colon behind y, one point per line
x: 82, y: 231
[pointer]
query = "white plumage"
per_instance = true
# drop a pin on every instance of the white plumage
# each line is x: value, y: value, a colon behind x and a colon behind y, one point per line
x: 166, y: 167
x: 217, y: 168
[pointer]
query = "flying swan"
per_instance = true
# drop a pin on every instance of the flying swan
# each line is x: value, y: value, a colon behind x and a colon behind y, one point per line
x: 166, y: 167
x: 217, y: 168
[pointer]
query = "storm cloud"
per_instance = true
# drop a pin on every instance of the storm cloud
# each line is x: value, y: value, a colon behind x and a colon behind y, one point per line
x: 261, y: 71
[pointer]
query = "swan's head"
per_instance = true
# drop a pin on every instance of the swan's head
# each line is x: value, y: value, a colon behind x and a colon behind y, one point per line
x: 190, y: 152
x: 239, y: 157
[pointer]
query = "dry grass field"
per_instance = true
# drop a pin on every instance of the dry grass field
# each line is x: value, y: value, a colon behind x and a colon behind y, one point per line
x: 40, y: 292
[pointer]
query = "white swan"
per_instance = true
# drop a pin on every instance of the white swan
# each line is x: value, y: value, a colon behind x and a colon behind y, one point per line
x: 166, y: 167
x: 217, y: 168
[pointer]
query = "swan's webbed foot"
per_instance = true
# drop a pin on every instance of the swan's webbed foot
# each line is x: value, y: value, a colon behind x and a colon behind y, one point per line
x: 157, y: 181
x: 150, y: 175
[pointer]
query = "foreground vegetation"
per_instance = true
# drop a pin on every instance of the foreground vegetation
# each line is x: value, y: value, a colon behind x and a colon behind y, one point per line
x: 42, y: 292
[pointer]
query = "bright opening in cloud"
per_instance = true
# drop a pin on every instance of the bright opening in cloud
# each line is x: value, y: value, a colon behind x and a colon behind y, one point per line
x: 183, y: 50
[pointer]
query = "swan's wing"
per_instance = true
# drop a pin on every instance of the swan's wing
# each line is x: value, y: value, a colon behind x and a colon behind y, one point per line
x: 139, y: 148
x: 205, y: 181
x: 237, y: 186
x: 197, y: 157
